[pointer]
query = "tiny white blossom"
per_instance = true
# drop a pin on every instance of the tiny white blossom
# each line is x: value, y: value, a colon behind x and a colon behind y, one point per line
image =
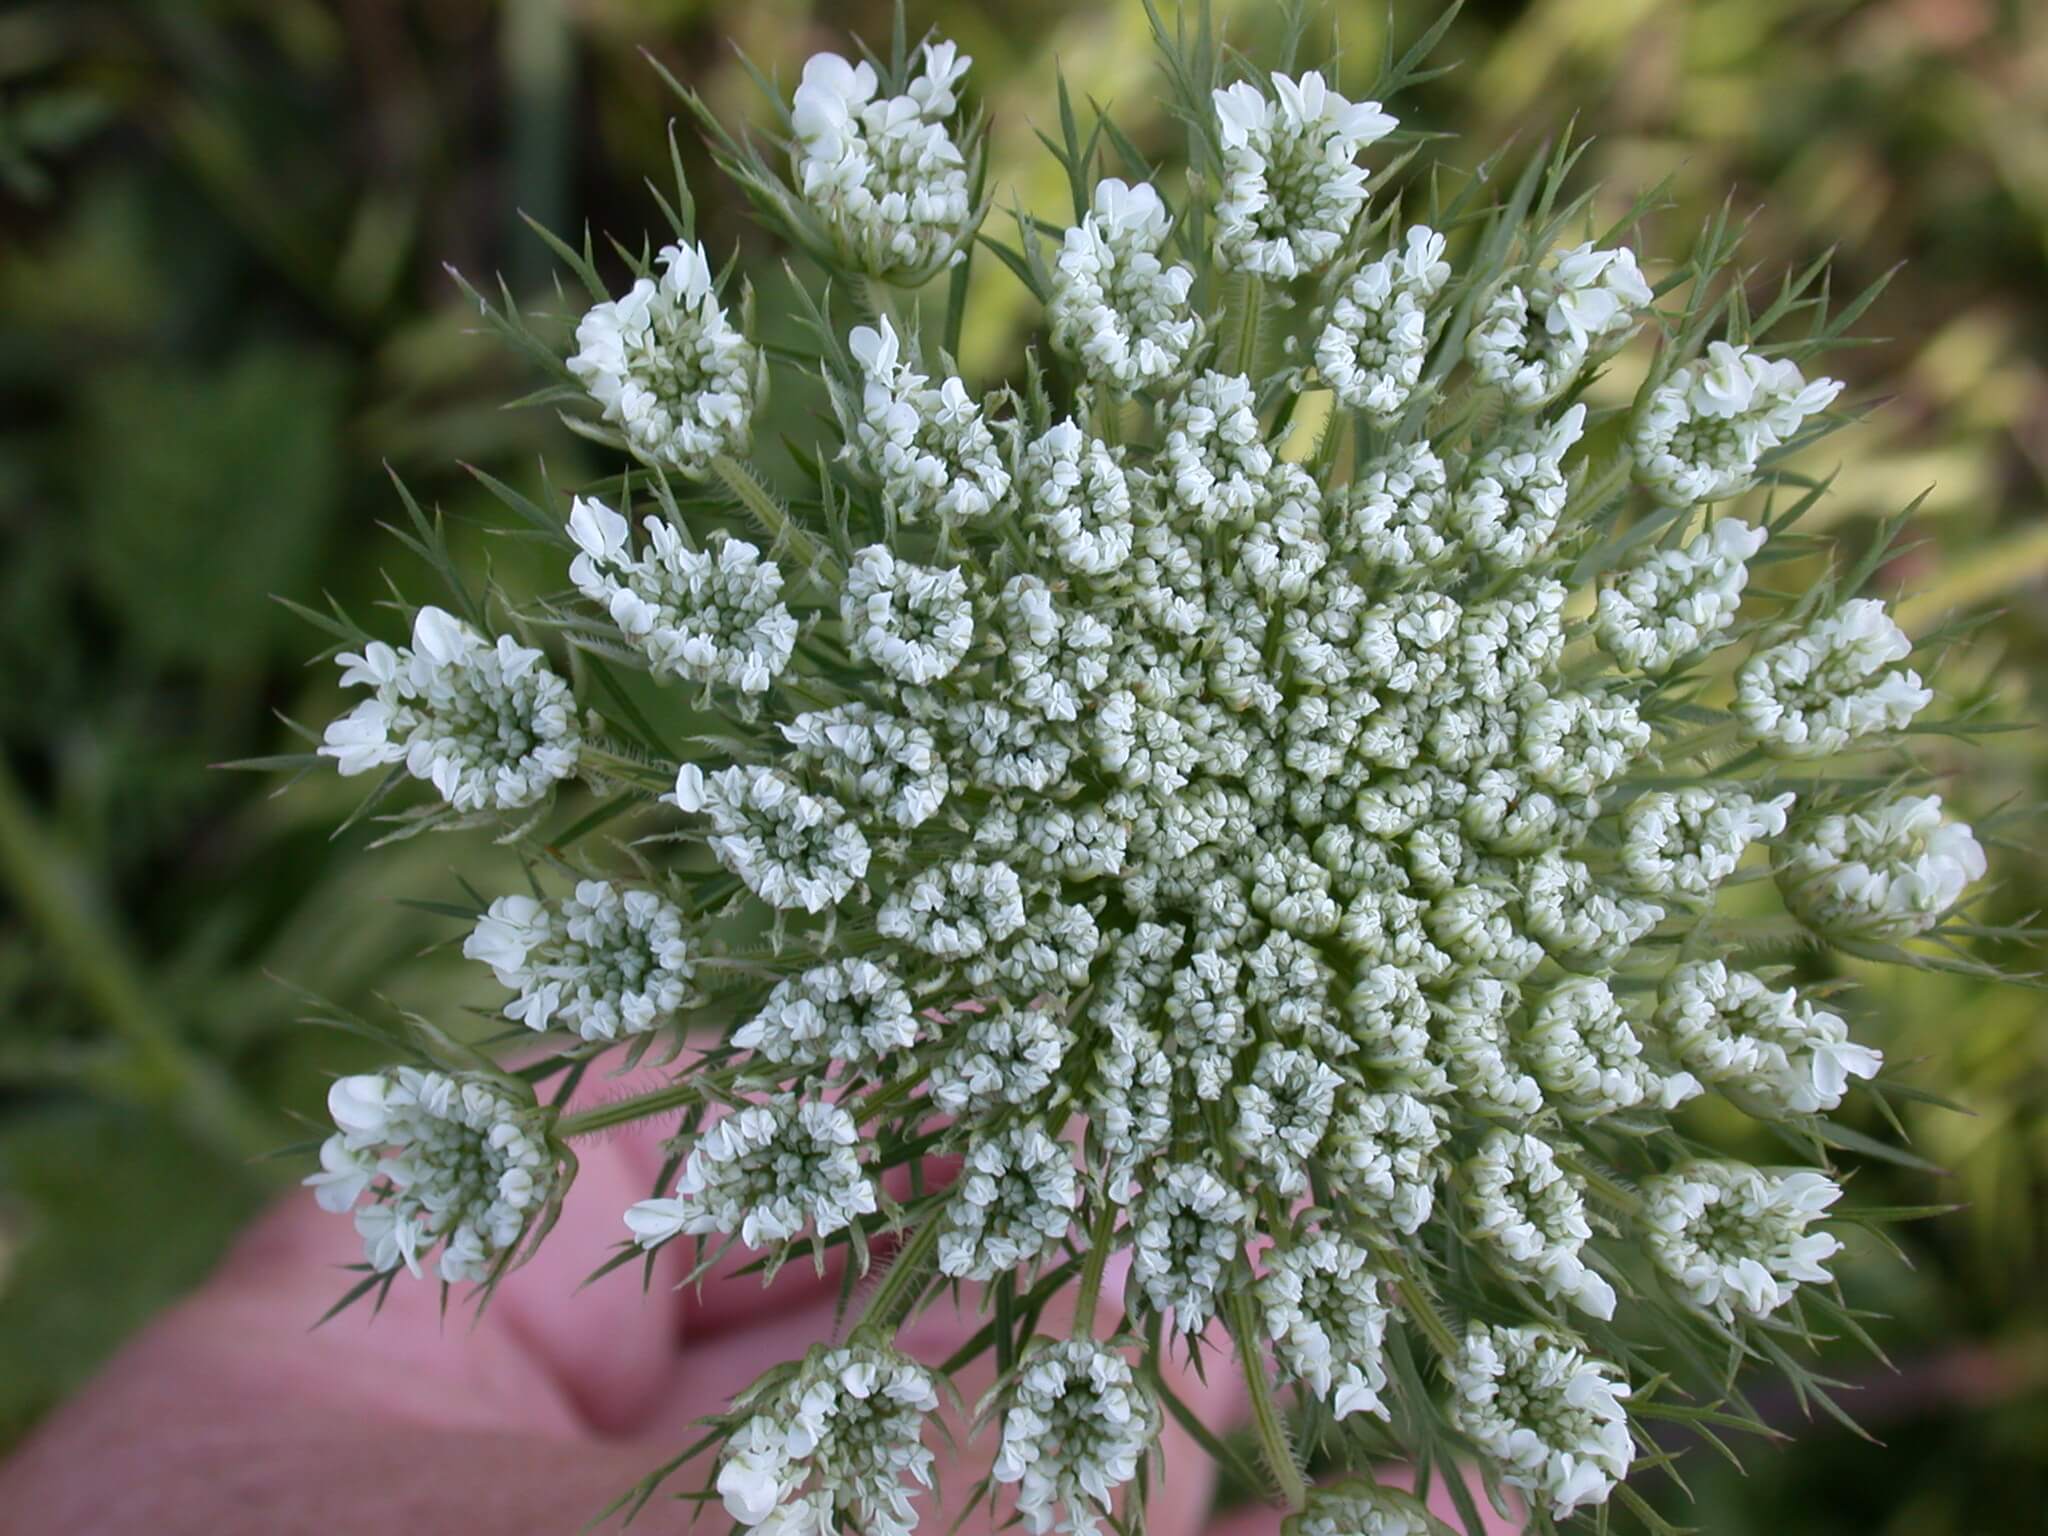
x: 763, y: 1173
x: 1076, y: 492
x: 1282, y: 1114
x: 1703, y: 432
x: 1675, y: 603
x: 1548, y: 1412
x: 1889, y: 870
x: 1507, y: 509
x: 885, y: 173
x: 1216, y: 461
x: 1734, y: 1238
x: 452, y: 1162
x: 1371, y: 349
x: 1076, y: 1423
x: 603, y: 962
x: 1323, y: 1311
x: 853, y: 1011
x: 488, y: 725
x: 1534, y: 338
x: 1686, y: 842
x: 913, y: 621
x: 875, y: 759
x: 669, y: 369
x: 1016, y: 1197
x: 1002, y: 1056
x: 1360, y: 1508
x: 791, y: 848
x: 1383, y: 1154
x: 830, y: 1448
x: 1586, y: 1054
x: 1769, y: 1048
x: 1531, y: 1215
x: 712, y: 616
x: 1189, y: 1230
x: 1291, y: 187
x: 1115, y: 305
x: 1817, y: 692
x: 934, y: 455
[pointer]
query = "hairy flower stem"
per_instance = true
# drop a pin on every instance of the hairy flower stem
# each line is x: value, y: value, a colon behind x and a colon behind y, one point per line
x: 1091, y: 1271
x: 1712, y: 739
x: 1415, y: 1301
x: 1612, y: 1192
x: 677, y: 1095
x: 902, y: 1282
x: 775, y: 519
x: 1274, y: 1447
x: 1248, y: 333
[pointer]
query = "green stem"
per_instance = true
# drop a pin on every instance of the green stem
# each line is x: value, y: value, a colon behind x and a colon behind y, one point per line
x: 1615, y: 1194
x: 53, y: 893
x: 1274, y: 1447
x: 1248, y: 331
x: 773, y: 516
x: 1415, y: 1301
x: 1099, y: 1233
x: 676, y: 1095
x: 898, y: 1287
x: 1711, y: 739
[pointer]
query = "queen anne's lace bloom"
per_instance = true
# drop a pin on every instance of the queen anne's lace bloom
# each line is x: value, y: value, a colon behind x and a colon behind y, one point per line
x: 1076, y: 1423
x: 1552, y: 1416
x: 884, y: 172
x: 1734, y: 1239
x: 1529, y: 1213
x: 1383, y: 1155
x: 832, y: 1446
x: 1507, y: 509
x: 1587, y: 1056
x: 1115, y: 305
x: 603, y: 962
x: 1370, y: 352
x: 1322, y: 1309
x: 1675, y: 603
x: 1190, y: 1230
x: 488, y: 725
x: 1291, y: 186
x: 1771, y: 1048
x: 1686, y: 842
x: 1886, y: 871
x: 669, y: 369
x: 1360, y: 1509
x: 762, y: 1174
x: 791, y: 848
x: 1016, y: 1198
x: 851, y: 1011
x: 1819, y: 691
x: 912, y: 621
x: 468, y: 1168
x: 930, y: 448
x: 711, y: 617
x: 1534, y: 338
x: 1703, y: 431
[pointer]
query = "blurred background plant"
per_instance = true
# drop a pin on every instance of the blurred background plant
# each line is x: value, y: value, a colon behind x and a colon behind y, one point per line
x: 223, y: 310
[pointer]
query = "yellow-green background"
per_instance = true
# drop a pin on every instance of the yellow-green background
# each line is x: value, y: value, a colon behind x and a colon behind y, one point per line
x: 222, y: 224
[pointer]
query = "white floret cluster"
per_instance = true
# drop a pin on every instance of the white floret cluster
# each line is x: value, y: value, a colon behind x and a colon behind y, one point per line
x: 604, y: 962
x: 833, y: 1448
x: 446, y: 1162
x: 1313, y: 868
x: 667, y: 367
x: 488, y: 725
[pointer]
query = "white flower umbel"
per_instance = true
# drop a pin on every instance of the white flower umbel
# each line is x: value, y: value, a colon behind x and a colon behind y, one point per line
x: 1506, y: 510
x: 1371, y: 349
x: 1291, y: 185
x: 1535, y: 337
x: 602, y: 962
x: 885, y: 173
x: 1216, y: 459
x: 1323, y: 1311
x: 1733, y: 1238
x: 851, y: 1011
x: 1819, y: 691
x: 1888, y: 870
x: 1550, y: 1414
x: 445, y: 1161
x: 875, y: 759
x: 1769, y: 1049
x: 1016, y: 1197
x: 669, y: 369
x: 762, y: 1174
x: 791, y: 848
x: 1076, y: 494
x: 1359, y: 1508
x: 1383, y: 1156
x: 1686, y: 842
x: 1704, y: 431
x: 1076, y: 1423
x: 831, y: 1447
x: 1582, y: 1049
x: 1676, y: 603
x: 1116, y: 307
x: 489, y: 726
x: 1531, y: 1215
x: 933, y: 454
x: 711, y: 616
x: 1190, y: 1229
x: 1282, y: 1114
x: 912, y: 621
x: 1002, y: 1056
x: 957, y: 910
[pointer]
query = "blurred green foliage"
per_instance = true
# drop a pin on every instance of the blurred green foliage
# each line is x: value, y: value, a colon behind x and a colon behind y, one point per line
x: 222, y: 310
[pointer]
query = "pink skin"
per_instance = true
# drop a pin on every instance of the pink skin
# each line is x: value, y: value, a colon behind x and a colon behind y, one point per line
x: 231, y: 1417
